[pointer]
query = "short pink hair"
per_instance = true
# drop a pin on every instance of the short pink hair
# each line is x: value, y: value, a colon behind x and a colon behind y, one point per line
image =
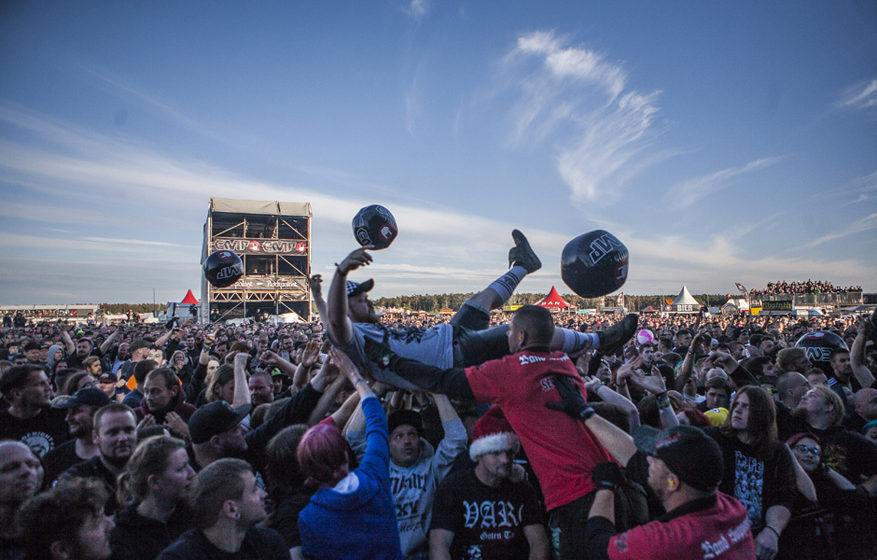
x: 321, y: 451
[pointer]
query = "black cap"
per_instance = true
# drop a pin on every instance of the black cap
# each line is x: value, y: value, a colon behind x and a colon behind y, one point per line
x: 687, y: 451
x: 405, y: 417
x: 91, y: 396
x: 33, y: 346
x: 354, y: 288
x: 215, y: 418
x: 107, y: 377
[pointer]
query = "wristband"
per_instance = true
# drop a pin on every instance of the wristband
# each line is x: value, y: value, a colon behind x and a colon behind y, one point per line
x: 358, y: 381
x: 662, y: 399
x: 586, y: 413
x: 774, y: 531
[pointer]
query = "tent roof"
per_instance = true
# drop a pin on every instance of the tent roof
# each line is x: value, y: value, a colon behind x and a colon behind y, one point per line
x: 269, y: 207
x: 190, y: 298
x: 554, y: 300
x: 685, y: 298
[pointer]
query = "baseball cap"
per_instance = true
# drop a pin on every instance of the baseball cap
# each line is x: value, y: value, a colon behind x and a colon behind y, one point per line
x: 107, y: 378
x: 354, y: 288
x: 215, y: 418
x: 717, y: 416
x: 87, y: 395
x: 687, y: 451
x: 405, y: 417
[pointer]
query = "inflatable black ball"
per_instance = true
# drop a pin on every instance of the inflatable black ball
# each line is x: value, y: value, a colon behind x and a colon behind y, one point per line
x: 223, y: 268
x: 594, y: 264
x: 374, y: 225
x: 820, y: 347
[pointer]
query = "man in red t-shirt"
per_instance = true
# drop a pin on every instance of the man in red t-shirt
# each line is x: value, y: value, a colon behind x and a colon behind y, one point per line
x: 562, y: 453
x: 683, y: 466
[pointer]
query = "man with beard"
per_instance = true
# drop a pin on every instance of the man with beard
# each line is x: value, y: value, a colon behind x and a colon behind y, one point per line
x: 495, y: 484
x: 115, y: 434
x: 163, y: 403
x: 30, y: 418
x: 261, y: 388
x: 845, y: 383
x: 227, y: 503
x: 683, y: 467
x: 84, y: 349
x: 216, y: 431
x: 80, y: 408
x: 67, y: 522
x: 123, y: 354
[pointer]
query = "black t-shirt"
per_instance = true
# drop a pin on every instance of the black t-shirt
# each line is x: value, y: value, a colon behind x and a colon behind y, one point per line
x: 487, y: 522
x: 41, y: 433
x: 58, y: 460
x: 285, y: 518
x: 849, y: 453
x: 94, y: 468
x: 758, y: 482
x: 259, y: 544
x: 139, y: 538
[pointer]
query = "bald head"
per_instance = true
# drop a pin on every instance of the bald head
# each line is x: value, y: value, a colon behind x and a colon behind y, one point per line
x: 791, y: 387
x: 865, y: 403
x: 21, y: 474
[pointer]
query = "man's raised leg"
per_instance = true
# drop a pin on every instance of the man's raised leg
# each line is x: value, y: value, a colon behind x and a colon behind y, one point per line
x: 523, y: 261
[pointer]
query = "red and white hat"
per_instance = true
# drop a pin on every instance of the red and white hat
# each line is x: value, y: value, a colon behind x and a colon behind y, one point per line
x: 492, y: 432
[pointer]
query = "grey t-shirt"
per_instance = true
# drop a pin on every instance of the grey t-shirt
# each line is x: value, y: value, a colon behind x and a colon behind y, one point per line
x: 433, y: 346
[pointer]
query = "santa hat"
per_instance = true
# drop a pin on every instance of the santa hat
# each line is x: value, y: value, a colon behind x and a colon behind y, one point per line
x: 492, y: 432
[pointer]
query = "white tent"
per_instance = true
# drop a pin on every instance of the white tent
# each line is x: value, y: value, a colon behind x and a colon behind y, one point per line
x: 685, y: 303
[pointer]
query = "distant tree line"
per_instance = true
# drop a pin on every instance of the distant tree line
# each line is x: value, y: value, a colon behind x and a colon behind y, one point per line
x: 116, y: 308
x: 432, y: 303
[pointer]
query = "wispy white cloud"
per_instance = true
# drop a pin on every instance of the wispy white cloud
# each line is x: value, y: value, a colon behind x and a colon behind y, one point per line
x: 148, y: 100
x: 418, y: 9
x: 55, y: 214
x: 689, y: 192
x: 581, y: 101
x: 131, y: 242
x: 861, y: 225
x: 431, y: 237
x: 860, y: 96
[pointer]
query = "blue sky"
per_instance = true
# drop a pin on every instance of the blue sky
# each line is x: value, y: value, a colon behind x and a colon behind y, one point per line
x: 719, y: 141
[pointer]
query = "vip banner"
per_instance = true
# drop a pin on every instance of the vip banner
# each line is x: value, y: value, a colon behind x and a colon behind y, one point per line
x: 261, y: 246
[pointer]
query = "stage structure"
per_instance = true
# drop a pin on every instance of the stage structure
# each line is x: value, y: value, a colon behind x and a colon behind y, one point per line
x: 274, y: 241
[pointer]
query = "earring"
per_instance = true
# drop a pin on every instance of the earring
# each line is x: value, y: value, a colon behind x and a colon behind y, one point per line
x: 237, y: 515
x: 671, y: 482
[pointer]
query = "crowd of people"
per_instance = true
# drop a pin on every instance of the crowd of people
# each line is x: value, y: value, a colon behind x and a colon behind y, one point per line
x: 486, y: 435
x: 808, y: 287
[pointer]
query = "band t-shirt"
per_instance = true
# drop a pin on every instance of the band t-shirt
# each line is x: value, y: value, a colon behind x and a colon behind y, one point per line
x: 433, y: 346
x: 41, y: 433
x: 487, y: 522
x: 561, y: 450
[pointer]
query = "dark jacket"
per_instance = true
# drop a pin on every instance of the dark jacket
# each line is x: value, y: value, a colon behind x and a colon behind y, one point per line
x: 139, y: 538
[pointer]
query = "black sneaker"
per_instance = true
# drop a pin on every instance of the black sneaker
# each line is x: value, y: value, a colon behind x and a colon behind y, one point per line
x: 614, y: 337
x: 522, y: 254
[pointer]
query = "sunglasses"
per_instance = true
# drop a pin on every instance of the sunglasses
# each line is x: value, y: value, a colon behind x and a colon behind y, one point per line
x: 812, y: 450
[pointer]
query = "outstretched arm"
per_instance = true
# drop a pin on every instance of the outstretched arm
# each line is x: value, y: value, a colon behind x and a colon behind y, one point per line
x: 616, y: 441
x: 857, y: 355
x: 316, y: 284
x: 339, y: 325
